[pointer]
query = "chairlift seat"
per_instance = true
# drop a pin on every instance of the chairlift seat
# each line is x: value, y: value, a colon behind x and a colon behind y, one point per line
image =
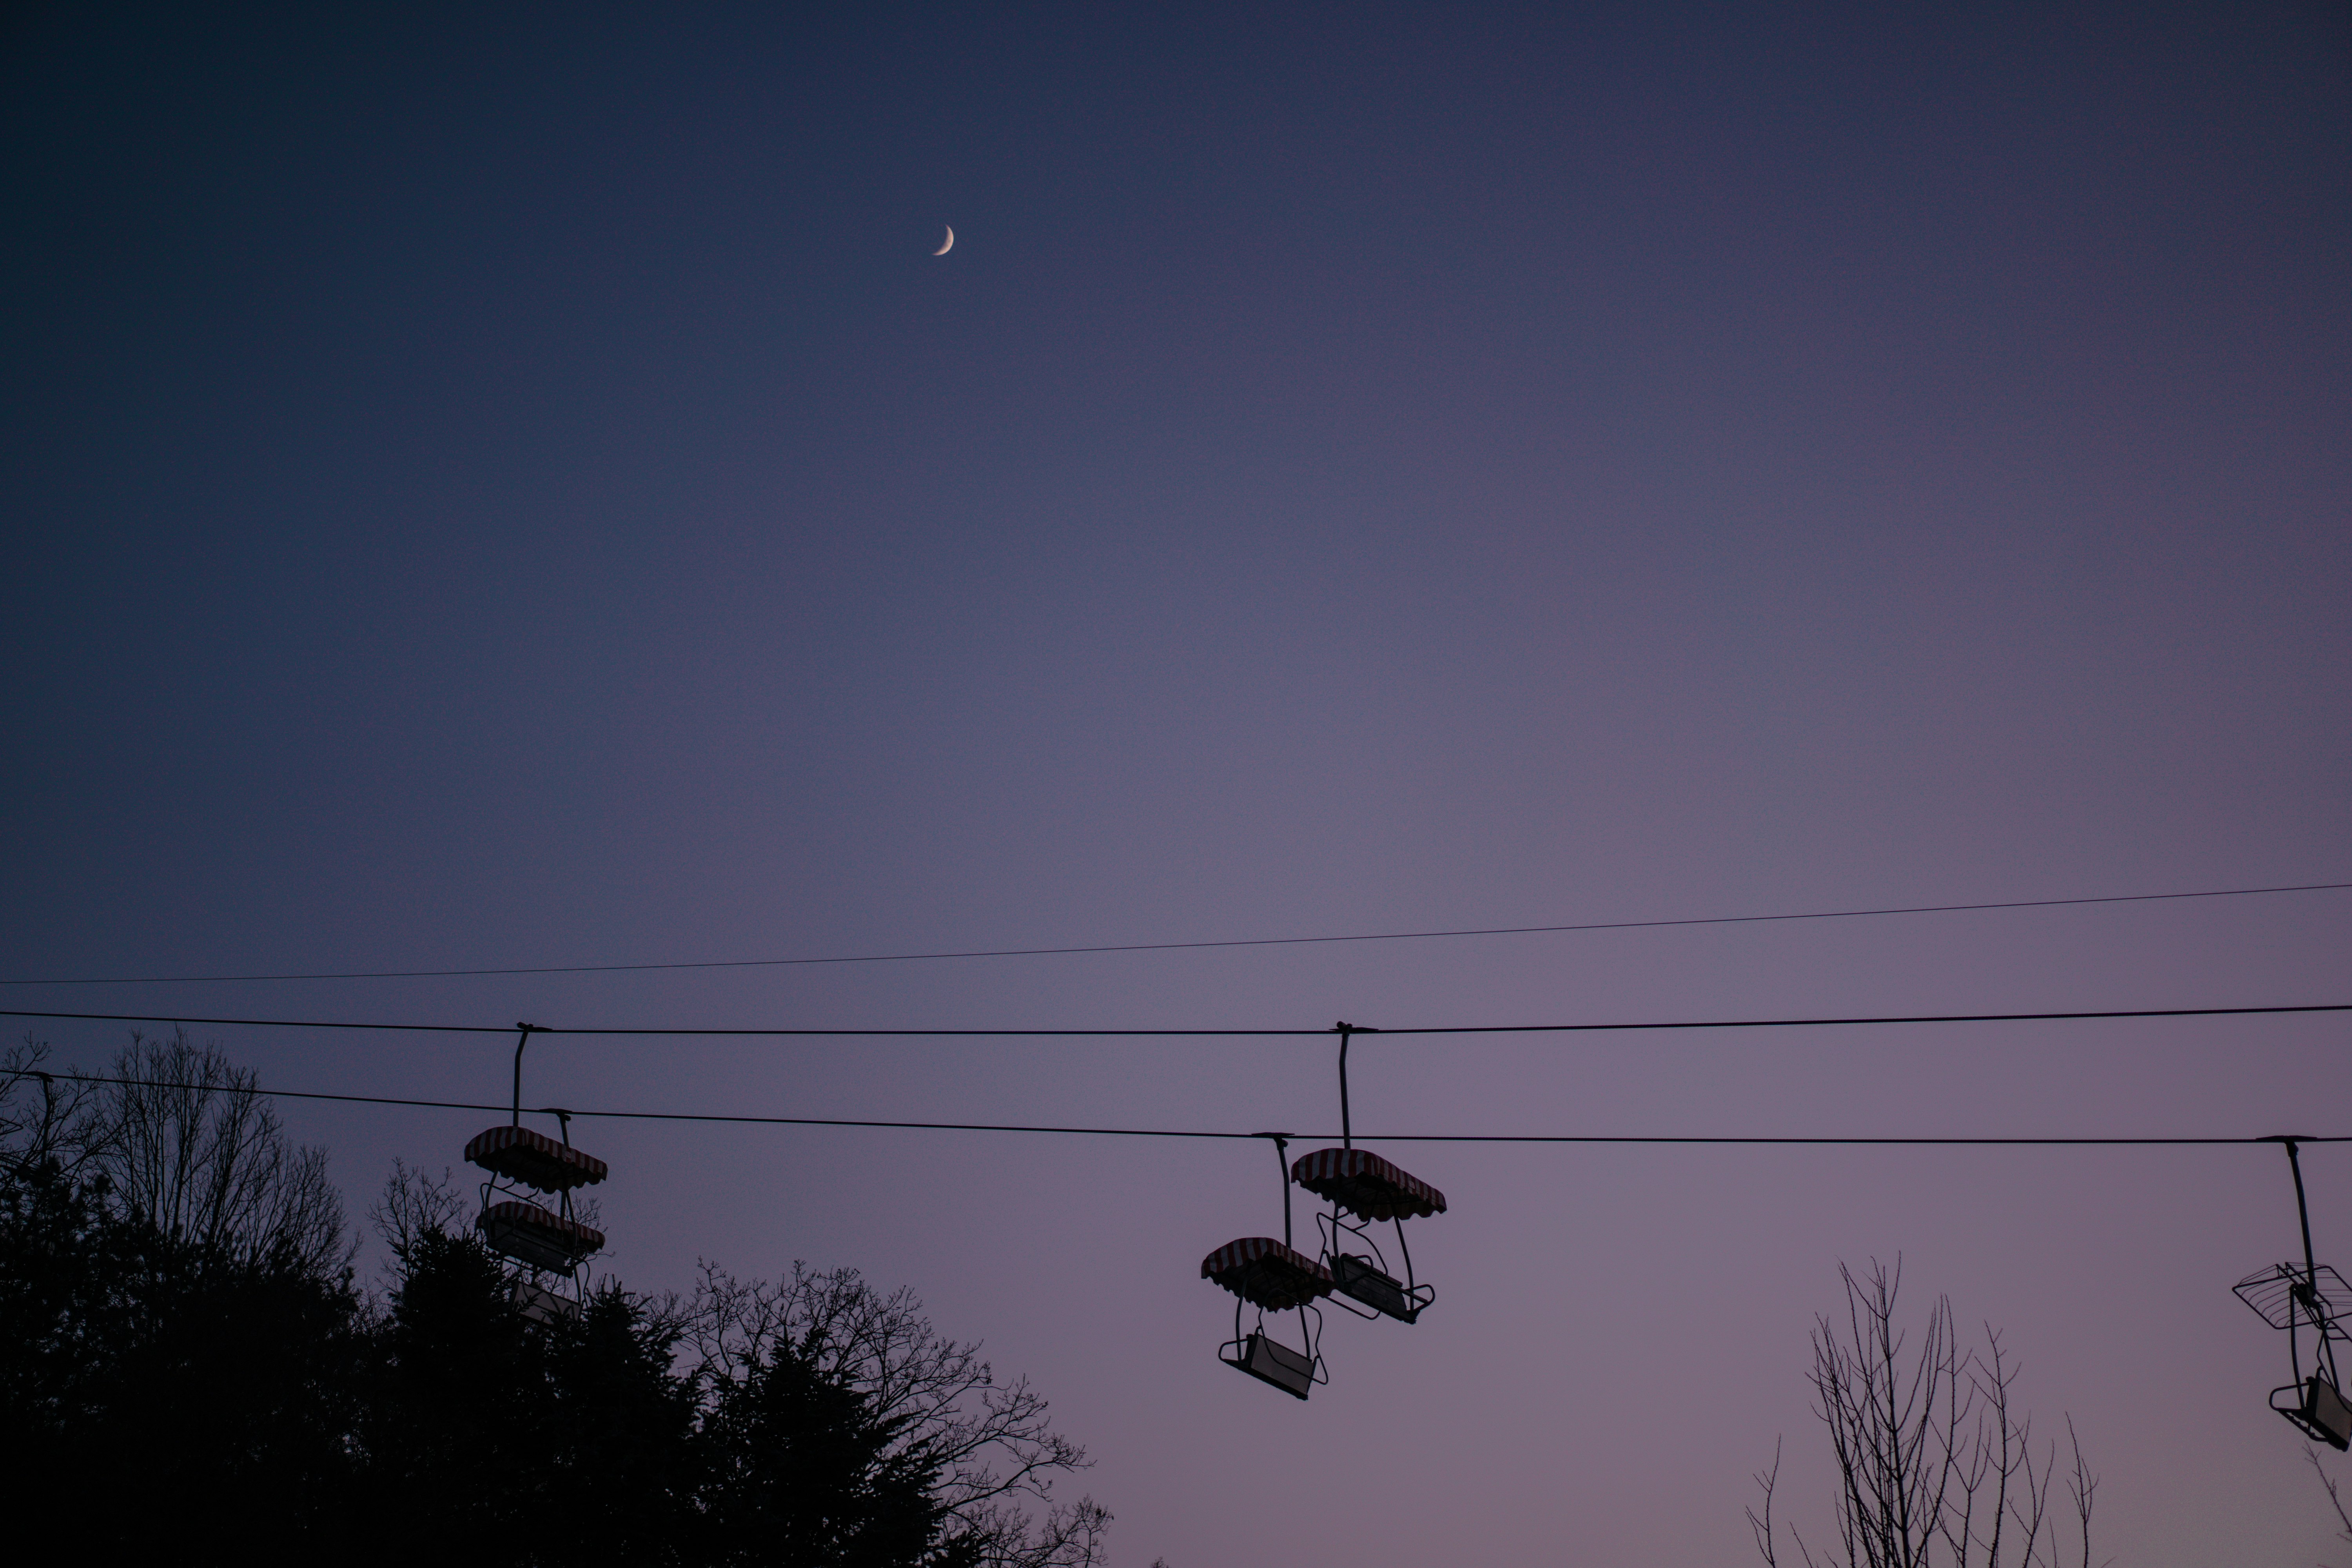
x: 541, y: 1306
x: 1265, y: 1273
x: 1270, y: 1361
x: 2317, y: 1410
x: 532, y: 1158
x: 1365, y: 1185
x: 529, y: 1234
x: 1358, y: 1279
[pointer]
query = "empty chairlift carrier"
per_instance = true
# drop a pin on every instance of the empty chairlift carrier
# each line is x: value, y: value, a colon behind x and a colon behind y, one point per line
x: 1273, y: 1277
x: 2313, y: 1298
x: 550, y: 1248
x: 1363, y: 1190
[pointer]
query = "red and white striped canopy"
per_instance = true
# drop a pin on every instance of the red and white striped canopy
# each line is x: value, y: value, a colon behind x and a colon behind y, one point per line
x: 528, y: 1232
x: 1264, y: 1272
x: 1364, y: 1184
x: 535, y: 1160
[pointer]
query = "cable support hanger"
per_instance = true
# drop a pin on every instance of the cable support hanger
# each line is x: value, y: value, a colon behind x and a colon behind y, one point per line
x: 1192, y: 946
x: 1597, y: 1138
x: 711, y: 1033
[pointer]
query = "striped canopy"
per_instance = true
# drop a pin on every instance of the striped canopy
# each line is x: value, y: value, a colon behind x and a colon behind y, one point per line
x: 535, y: 1160
x: 1364, y: 1184
x: 1265, y: 1273
x: 530, y: 1233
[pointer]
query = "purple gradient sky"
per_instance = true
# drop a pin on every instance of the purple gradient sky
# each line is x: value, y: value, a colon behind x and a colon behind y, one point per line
x: 521, y: 492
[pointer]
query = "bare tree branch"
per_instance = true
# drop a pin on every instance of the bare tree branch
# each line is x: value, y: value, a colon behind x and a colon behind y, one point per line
x: 413, y: 1206
x: 186, y: 1142
x: 2335, y: 1495
x: 1935, y: 1468
x: 190, y: 1144
x: 43, y: 1118
x: 1761, y: 1524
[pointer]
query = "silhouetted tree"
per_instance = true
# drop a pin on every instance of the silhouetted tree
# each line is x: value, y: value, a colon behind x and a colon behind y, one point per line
x: 160, y: 1392
x: 991, y: 1446
x: 457, y: 1432
x: 798, y: 1468
x: 187, y: 1141
x: 185, y: 1364
x: 1934, y: 1469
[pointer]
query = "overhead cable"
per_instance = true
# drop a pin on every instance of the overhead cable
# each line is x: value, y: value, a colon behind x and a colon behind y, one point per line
x: 1187, y: 946
x: 1893, y: 1141
x: 702, y: 1032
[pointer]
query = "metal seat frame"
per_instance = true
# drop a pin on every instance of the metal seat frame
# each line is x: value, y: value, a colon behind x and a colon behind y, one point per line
x: 1364, y: 1277
x: 2316, y: 1410
x: 1270, y: 1360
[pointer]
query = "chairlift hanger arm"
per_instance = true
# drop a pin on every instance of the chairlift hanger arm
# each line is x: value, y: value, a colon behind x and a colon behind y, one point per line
x: 1347, y: 1031
x: 522, y: 1038
x: 1282, y: 1167
x: 2302, y: 1204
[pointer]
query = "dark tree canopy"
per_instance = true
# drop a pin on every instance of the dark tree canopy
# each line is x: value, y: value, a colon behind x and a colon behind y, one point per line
x: 800, y: 1467
x: 186, y: 1363
x: 158, y: 1391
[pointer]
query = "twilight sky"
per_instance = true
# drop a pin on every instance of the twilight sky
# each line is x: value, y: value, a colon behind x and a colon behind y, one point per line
x: 516, y: 491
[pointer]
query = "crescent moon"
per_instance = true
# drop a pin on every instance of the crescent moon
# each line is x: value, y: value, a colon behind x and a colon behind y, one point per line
x: 949, y: 243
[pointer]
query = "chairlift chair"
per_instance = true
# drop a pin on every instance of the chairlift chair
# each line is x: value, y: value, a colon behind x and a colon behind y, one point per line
x: 2314, y: 1297
x: 523, y: 1163
x: 1358, y: 1183
x: 1268, y: 1275
x: 1273, y: 1277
